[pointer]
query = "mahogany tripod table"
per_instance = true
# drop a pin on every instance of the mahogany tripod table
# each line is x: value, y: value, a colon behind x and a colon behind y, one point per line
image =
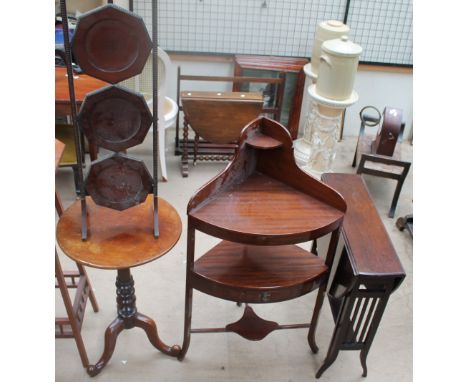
x: 121, y: 240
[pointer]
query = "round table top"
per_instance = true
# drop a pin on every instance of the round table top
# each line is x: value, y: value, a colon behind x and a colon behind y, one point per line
x: 118, y: 239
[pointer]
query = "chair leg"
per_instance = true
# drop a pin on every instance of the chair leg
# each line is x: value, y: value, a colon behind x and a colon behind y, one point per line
x: 396, y: 195
x: 355, y: 156
x: 361, y: 165
x: 162, y: 150
x: 69, y: 308
x: 92, y: 297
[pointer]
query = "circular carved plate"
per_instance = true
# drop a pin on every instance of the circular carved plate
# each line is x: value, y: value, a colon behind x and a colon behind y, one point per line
x: 118, y: 182
x: 111, y: 43
x: 115, y: 118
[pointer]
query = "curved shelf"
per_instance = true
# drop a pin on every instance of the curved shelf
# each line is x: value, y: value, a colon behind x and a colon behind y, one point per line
x: 257, y: 274
x: 260, y: 141
x: 243, y: 213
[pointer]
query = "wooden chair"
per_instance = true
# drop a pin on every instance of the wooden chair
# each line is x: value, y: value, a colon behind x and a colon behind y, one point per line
x: 217, y: 151
x: 143, y: 83
x: 367, y: 151
x: 70, y: 326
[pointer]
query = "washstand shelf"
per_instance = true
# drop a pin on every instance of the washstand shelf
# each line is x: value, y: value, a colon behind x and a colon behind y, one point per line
x: 261, y: 205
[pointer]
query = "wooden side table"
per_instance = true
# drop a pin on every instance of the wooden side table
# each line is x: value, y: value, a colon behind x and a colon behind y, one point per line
x: 121, y: 240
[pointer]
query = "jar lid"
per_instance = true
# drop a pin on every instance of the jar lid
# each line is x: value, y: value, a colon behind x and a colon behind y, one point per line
x: 342, y: 47
x: 334, y: 26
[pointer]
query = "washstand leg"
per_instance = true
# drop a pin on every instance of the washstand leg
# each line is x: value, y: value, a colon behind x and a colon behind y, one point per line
x: 188, y: 290
x: 314, y: 322
x: 187, y: 323
x: 314, y: 248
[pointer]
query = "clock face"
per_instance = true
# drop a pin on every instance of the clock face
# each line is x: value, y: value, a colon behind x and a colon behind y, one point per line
x: 118, y: 182
x: 111, y: 43
x: 115, y: 118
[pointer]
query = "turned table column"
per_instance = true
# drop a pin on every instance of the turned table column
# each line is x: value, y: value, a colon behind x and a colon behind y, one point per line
x: 120, y: 240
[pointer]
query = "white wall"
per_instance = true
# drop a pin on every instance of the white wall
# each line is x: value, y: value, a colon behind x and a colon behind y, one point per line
x: 375, y: 88
x: 201, y: 69
x: 381, y: 89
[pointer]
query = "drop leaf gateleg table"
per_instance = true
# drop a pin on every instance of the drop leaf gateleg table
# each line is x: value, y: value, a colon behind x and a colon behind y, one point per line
x: 367, y: 273
x: 120, y: 240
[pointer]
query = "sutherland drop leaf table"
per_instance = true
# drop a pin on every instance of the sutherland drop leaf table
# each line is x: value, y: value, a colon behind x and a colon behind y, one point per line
x: 121, y: 240
x: 367, y: 273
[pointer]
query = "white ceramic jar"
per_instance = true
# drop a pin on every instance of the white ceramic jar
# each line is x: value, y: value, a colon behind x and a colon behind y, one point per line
x: 337, y: 69
x: 326, y: 30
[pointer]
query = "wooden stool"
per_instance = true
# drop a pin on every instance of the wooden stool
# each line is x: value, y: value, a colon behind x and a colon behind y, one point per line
x: 120, y: 240
x: 76, y: 279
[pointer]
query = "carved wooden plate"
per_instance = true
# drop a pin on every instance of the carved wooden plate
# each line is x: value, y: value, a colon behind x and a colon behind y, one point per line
x: 118, y: 182
x: 111, y: 43
x: 115, y: 118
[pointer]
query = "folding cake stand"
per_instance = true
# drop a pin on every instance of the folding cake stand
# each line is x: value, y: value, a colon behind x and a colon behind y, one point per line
x: 260, y: 206
x: 116, y: 224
